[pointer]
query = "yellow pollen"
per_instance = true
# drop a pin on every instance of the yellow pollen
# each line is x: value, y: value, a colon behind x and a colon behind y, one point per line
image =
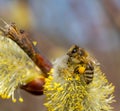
x: 34, y: 43
x: 21, y: 99
x: 14, y: 100
x: 51, y: 71
x: 81, y: 69
x: 3, y: 96
x: 23, y: 76
x: 8, y: 97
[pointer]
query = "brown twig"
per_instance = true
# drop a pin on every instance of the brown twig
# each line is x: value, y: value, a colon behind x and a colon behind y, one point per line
x: 23, y: 40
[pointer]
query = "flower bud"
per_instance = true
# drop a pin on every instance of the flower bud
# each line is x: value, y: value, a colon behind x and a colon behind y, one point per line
x: 35, y: 86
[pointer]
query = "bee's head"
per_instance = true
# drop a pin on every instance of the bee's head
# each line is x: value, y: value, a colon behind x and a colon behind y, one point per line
x: 76, y: 51
x: 73, y: 51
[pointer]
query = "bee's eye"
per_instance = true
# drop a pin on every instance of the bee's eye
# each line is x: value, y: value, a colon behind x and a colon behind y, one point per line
x: 74, y: 50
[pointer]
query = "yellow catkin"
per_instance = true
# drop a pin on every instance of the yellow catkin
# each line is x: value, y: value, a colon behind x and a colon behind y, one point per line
x: 16, y: 68
x: 67, y: 91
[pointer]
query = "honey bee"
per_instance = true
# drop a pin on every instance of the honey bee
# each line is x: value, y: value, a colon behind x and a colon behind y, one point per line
x: 82, y: 63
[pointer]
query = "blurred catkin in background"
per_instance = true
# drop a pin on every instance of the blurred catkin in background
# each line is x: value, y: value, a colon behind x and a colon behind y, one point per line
x: 57, y: 24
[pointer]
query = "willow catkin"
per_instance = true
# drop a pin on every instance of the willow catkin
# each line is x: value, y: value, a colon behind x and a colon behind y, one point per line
x: 16, y: 68
x: 66, y: 90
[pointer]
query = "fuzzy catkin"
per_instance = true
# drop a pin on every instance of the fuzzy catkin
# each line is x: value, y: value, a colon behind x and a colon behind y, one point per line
x: 16, y: 68
x: 66, y: 91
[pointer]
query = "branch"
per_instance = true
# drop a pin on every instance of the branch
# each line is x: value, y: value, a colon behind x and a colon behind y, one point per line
x: 22, y: 39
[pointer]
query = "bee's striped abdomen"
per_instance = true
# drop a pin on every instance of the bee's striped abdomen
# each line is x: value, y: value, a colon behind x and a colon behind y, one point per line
x: 88, y: 76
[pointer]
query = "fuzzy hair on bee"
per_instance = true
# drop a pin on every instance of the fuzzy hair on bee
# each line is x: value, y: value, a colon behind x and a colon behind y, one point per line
x: 77, y: 84
x: 16, y: 69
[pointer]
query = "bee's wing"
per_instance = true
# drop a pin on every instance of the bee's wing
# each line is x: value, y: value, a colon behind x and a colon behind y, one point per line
x: 93, y: 59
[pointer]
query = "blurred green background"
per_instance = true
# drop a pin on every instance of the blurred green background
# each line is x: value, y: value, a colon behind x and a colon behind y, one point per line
x: 57, y: 24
